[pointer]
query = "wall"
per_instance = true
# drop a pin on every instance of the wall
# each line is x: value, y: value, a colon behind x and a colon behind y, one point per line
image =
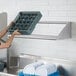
x: 61, y: 10
x: 64, y: 49
x: 3, y: 23
x: 52, y: 10
x: 13, y: 7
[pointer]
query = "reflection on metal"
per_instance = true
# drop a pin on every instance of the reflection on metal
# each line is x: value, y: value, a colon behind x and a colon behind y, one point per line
x: 5, y: 74
x: 66, y: 67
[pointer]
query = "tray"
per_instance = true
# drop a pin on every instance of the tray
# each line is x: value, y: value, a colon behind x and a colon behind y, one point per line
x: 25, y: 22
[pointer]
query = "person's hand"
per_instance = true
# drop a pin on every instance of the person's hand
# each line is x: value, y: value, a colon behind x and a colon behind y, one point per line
x: 16, y: 32
x: 11, y: 24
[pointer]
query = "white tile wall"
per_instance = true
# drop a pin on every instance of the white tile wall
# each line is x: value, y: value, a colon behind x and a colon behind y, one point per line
x: 57, y: 13
x: 63, y: 10
x: 58, y: 4
x: 58, y: 9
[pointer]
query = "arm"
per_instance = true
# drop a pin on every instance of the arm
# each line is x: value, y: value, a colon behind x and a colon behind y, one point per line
x: 9, y: 41
x: 5, y: 30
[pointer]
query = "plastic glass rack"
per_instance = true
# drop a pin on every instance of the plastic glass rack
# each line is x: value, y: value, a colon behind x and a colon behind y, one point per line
x: 25, y: 22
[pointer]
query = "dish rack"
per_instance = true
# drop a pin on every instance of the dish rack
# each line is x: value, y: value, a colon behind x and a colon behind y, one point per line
x: 25, y: 22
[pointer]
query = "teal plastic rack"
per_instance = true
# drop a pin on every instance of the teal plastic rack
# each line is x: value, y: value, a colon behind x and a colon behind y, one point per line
x: 25, y: 22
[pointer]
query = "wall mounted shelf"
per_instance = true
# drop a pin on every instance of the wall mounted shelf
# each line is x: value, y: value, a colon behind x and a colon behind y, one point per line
x: 50, y: 31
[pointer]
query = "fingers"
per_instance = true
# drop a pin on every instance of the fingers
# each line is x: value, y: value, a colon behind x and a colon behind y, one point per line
x: 16, y: 32
x: 12, y: 23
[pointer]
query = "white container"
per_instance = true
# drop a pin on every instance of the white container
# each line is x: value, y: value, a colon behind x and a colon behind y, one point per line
x: 46, y: 70
x: 31, y: 68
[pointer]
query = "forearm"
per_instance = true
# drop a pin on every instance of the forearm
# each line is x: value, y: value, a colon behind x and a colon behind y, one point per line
x: 8, y: 42
x: 5, y: 30
x: 10, y: 39
x: 4, y: 45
